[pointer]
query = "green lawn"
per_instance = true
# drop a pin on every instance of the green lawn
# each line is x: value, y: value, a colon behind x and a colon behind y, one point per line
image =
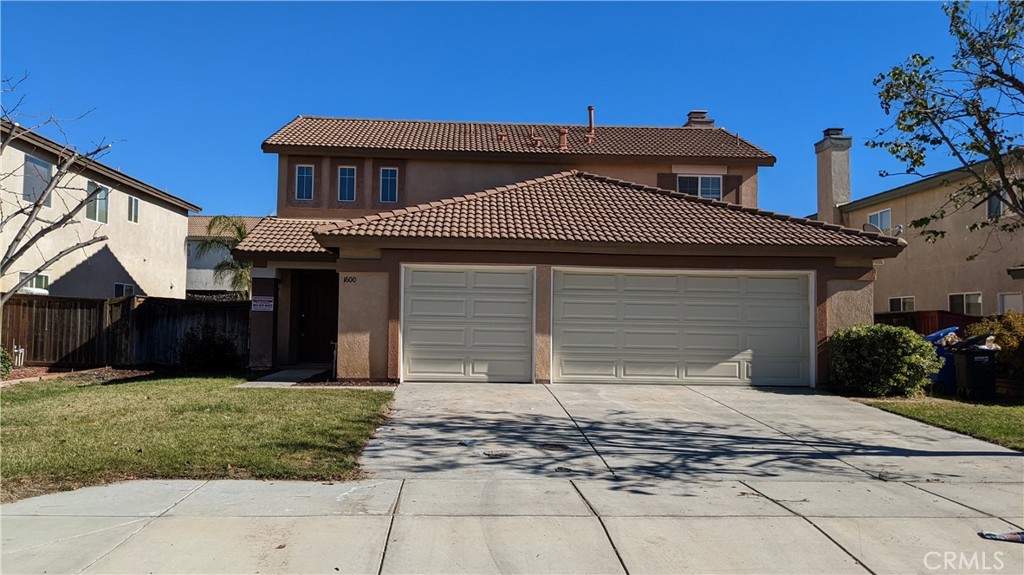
x: 65, y: 433
x: 999, y: 424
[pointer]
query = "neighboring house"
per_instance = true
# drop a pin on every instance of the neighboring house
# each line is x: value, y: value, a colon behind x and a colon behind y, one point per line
x: 926, y: 276
x: 145, y: 250
x: 200, y: 280
x: 443, y: 251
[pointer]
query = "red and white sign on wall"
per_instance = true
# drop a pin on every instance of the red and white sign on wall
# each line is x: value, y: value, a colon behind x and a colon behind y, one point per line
x: 262, y: 303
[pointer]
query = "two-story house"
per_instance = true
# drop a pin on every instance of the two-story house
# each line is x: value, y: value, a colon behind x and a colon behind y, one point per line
x: 454, y: 251
x: 145, y: 226
x: 964, y: 272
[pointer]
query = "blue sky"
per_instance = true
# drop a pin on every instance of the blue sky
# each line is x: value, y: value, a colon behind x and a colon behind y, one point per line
x: 190, y: 90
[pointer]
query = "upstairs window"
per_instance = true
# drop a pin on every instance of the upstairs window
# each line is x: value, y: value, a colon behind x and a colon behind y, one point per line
x: 965, y: 303
x: 96, y: 210
x: 388, y: 185
x: 304, y: 182
x: 347, y: 184
x: 133, y: 209
x: 122, y: 290
x: 881, y: 219
x: 704, y: 186
x: 903, y: 303
x: 37, y: 176
x: 41, y: 281
x: 994, y: 205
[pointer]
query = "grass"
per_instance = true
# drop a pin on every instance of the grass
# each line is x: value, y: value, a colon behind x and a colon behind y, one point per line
x: 1002, y: 424
x: 86, y: 430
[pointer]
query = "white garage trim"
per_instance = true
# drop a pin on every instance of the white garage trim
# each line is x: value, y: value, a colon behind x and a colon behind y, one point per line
x: 652, y: 365
x: 511, y: 351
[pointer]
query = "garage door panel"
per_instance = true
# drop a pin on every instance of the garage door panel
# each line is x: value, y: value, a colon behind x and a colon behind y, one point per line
x: 582, y: 338
x: 643, y: 370
x: 656, y: 310
x: 588, y: 368
x: 511, y: 307
x: 435, y: 307
x: 467, y: 324
x: 707, y: 311
x: 573, y: 281
x: 650, y: 283
x: 437, y: 279
x: 641, y: 340
x: 589, y: 310
x: 712, y: 284
x: 498, y: 337
x: 682, y: 328
x: 501, y: 280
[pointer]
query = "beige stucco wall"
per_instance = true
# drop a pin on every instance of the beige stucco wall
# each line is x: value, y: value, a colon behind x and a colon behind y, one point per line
x: 150, y: 254
x: 362, y: 324
x: 429, y: 180
x: 932, y: 271
x: 849, y: 304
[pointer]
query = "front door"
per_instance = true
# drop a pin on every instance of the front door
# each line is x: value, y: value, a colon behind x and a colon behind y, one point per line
x: 316, y: 314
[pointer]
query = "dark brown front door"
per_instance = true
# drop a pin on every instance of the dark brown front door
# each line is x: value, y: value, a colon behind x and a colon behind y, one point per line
x: 316, y: 309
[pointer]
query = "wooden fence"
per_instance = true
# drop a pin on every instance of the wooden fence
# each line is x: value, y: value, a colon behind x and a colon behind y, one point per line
x: 926, y: 322
x: 126, y: 331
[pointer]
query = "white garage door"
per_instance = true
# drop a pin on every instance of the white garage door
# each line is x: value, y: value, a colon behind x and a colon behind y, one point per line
x: 467, y: 324
x: 681, y: 328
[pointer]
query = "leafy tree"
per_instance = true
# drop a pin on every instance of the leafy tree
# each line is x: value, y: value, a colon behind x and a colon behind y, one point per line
x: 224, y: 233
x: 972, y: 111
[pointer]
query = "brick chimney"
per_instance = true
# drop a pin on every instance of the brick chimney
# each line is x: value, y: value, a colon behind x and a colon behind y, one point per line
x: 833, y: 153
x: 698, y: 119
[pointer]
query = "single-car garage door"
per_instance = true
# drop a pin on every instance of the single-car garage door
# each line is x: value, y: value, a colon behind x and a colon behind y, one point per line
x: 658, y: 327
x: 467, y: 324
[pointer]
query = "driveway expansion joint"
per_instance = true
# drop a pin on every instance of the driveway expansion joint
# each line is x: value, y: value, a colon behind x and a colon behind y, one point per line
x: 582, y: 433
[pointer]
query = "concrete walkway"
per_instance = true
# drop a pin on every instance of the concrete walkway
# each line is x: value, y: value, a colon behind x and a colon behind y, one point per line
x: 572, y: 479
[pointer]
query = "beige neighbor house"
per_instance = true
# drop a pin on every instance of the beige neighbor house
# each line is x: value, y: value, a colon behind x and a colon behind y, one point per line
x: 926, y: 276
x: 475, y: 252
x: 145, y: 250
x: 201, y: 281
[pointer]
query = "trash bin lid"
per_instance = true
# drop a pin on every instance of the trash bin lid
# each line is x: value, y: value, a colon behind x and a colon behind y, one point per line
x: 934, y: 337
x: 971, y: 342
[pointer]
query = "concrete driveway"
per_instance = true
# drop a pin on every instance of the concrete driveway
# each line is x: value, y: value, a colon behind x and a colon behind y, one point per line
x: 572, y: 479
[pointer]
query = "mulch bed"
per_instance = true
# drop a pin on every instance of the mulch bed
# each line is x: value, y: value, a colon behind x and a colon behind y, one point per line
x: 323, y: 379
x: 28, y: 372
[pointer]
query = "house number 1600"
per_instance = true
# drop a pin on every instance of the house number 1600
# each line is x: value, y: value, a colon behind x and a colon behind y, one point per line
x: 349, y: 279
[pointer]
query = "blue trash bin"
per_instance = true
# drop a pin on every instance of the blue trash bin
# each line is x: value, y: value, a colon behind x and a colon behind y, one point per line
x: 945, y: 379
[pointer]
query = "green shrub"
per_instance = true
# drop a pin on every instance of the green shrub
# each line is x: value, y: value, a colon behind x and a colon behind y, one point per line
x: 205, y: 349
x: 1009, y: 332
x: 880, y: 360
x: 6, y: 363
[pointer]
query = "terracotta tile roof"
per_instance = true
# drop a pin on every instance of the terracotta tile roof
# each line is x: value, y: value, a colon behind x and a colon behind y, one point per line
x: 198, y: 225
x: 284, y: 236
x: 409, y: 135
x: 583, y: 207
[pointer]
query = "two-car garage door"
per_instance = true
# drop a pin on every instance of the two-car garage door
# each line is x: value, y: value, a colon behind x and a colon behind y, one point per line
x: 464, y: 323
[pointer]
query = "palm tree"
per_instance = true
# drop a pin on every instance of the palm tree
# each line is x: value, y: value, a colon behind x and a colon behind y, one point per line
x: 226, y: 232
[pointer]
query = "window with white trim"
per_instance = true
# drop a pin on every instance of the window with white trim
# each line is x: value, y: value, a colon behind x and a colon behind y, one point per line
x: 41, y: 281
x: 388, y: 185
x: 304, y: 182
x: 703, y: 186
x: 37, y: 176
x: 346, y: 183
x: 122, y: 290
x: 133, y: 209
x: 881, y: 219
x: 1011, y: 302
x: 965, y: 303
x: 902, y: 303
x: 97, y: 209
